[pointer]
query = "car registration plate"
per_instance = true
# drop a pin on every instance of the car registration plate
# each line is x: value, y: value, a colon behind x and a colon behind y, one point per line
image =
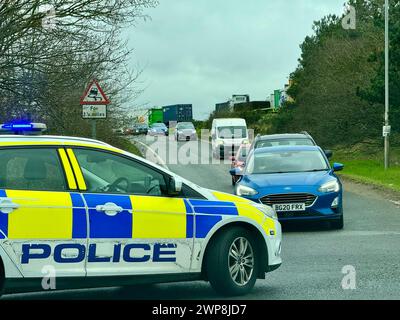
x: 290, y: 207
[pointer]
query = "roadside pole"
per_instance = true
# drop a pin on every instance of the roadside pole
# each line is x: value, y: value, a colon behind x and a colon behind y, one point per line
x: 94, y: 129
x: 386, y: 130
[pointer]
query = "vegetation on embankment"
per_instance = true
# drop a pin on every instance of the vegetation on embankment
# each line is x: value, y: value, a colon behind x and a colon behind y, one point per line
x: 365, y: 163
x: 338, y: 93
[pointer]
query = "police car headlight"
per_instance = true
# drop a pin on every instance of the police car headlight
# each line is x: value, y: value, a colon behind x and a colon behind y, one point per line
x: 331, y: 186
x: 268, y: 211
x: 245, y: 191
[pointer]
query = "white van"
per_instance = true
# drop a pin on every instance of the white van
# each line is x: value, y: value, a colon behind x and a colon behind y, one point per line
x: 227, y: 135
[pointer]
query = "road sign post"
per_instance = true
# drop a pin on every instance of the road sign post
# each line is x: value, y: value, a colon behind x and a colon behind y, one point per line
x: 94, y: 105
x: 387, y: 162
x: 94, y: 129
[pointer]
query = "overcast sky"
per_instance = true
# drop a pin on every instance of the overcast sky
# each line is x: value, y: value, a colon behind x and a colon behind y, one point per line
x: 204, y: 51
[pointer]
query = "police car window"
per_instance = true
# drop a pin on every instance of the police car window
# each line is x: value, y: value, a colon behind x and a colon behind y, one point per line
x: 31, y: 169
x: 189, y: 193
x: 108, y: 173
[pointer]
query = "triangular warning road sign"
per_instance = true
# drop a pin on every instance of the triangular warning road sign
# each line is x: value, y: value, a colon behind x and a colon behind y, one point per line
x: 94, y: 95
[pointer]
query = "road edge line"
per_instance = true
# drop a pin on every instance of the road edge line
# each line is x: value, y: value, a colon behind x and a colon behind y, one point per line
x: 160, y: 160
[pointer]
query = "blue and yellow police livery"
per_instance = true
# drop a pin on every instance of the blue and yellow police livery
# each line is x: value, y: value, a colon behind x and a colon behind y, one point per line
x: 95, y: 215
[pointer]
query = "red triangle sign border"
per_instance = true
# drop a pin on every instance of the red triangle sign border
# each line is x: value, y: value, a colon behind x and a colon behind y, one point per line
x: 103, y: 95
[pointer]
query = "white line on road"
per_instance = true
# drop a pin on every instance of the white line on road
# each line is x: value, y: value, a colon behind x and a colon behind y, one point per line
x: 160, y: 161
x: 368, y: 233
x: 397, y: 203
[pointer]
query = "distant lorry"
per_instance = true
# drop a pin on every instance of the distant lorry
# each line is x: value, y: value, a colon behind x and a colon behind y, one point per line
x: 156, y: 115
x: 221, y: 107
x: 240, y: 98
x: 177, y: 113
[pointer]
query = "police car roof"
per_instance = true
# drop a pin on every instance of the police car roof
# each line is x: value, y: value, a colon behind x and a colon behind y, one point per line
x: 45, y: 138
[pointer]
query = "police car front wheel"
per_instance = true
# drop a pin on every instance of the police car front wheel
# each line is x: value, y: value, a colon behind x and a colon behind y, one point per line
x: 232, y: 262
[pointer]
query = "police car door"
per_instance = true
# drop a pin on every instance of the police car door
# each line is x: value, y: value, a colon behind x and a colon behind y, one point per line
x: 42, y: 216
x: 135, y: 228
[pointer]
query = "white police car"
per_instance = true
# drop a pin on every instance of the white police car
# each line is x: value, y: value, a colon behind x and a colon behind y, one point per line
x: 92, y: 215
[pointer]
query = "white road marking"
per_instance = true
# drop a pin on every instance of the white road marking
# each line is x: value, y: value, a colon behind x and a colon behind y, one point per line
x: 159, y: 159
x: 397, y: 203
x: 366, y: 233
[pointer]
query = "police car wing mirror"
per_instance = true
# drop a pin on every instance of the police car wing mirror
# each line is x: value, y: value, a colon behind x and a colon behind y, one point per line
x: 174, y: 186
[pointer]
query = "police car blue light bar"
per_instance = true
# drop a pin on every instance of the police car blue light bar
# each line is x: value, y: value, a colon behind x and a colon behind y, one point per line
x: 23, y: 128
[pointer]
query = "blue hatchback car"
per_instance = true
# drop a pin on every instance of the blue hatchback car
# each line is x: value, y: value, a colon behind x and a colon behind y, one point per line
x: 297, y: 181
x: 158, y: 129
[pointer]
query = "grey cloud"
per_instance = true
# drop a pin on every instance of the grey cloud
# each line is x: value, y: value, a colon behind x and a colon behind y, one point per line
x: 202, y: 52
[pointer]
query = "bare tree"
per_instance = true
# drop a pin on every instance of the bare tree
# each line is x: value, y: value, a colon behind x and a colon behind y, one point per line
x: 44, y: 69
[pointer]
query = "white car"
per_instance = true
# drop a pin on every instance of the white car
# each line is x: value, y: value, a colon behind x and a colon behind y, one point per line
x: 185, y: 131
x: 91, y: 215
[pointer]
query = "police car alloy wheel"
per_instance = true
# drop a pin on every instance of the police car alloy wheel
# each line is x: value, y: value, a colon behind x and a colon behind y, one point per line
x: 232, y: 262
x: 241, y: 261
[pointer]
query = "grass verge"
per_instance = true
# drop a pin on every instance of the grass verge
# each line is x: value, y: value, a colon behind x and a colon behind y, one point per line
x: 368, y: 167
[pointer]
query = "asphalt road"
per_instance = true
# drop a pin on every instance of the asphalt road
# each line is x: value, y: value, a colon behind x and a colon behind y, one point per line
x: 313, y: 255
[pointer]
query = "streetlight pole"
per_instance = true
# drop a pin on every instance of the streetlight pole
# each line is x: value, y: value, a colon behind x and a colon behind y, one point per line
x: 386, y: 84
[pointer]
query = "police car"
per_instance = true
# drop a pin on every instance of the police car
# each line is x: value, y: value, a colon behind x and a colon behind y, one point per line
x: 91, y: 215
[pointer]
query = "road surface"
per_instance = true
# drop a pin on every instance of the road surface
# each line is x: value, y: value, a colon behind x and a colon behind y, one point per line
x: 314, y: 256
